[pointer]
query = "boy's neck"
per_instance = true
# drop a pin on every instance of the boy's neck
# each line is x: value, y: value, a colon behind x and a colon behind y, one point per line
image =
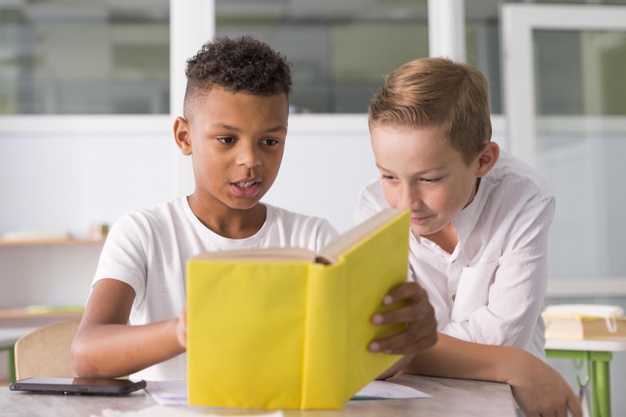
x: 446, y: 238
x: 230, y: 223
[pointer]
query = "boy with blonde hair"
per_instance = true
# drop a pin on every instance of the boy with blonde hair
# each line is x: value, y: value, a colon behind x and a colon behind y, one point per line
x: 479, y: 220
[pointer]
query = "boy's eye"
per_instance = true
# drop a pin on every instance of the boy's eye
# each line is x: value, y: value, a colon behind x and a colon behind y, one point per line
x: 388, y: 177
x: 430, y: 180
x: 270, y: 142
x: 227, y: 140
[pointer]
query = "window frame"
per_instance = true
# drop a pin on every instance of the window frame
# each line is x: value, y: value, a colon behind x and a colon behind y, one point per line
x: 518, y: 21
x: 192, y: 22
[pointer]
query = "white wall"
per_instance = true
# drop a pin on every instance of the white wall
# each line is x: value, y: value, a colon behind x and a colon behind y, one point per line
x: 63, y: 178
x: 66, y: 180
x: 328, y: 159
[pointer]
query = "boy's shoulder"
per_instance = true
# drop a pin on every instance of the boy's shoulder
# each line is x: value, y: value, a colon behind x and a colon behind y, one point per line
x: 173, y: 207
x: 162, y: 213
x: 513, y: 177
x: 280, y: 215
x: 296, y: 229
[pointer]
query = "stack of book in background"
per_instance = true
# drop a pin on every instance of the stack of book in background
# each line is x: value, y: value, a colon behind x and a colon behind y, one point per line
x: 584, y: 321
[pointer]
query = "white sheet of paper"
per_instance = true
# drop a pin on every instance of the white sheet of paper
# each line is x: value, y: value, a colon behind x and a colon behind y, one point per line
x: 386, y: 389
x: 164, y: 411
x: 168, y: 392
x: 175, y: 392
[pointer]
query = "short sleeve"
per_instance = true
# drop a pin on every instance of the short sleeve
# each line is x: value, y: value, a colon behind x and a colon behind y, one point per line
x: 123, y: 255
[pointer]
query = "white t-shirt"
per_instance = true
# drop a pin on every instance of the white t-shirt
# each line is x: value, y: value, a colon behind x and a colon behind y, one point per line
x: 491, y: 289
x: 148, y: 250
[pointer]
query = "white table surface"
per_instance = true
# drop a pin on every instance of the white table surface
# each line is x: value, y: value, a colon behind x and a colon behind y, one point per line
x: 612, y: 345
x: 9, y: 335
x: 450, y: 398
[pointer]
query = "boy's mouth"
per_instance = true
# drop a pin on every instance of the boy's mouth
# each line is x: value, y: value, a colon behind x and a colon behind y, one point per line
x: 246, y: 188
x: 420, y: 219
x: 245, y: 184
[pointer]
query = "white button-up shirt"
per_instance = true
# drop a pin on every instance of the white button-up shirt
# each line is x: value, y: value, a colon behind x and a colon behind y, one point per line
x: 491, y: 288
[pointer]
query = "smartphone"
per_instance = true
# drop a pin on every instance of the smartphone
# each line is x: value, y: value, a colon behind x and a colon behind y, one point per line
x: 94, y: 386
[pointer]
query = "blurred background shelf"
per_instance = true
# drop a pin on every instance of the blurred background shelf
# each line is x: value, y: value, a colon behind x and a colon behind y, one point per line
x: 50, y: 241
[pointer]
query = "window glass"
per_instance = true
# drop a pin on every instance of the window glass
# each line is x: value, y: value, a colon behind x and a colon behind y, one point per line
x: 84, y: 57
x: 580, y: 72
x: 482, y: 33
x: 580, y: 77
x: 340, y: 51
x: 561, y: 56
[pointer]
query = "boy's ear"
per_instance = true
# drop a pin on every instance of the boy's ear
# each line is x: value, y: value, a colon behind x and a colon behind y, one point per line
x: 182, y: 135
x: 487, y: 158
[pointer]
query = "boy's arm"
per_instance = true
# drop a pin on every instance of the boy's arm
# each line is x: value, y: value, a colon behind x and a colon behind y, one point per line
x: 106, y: 346
x: 537, y: 388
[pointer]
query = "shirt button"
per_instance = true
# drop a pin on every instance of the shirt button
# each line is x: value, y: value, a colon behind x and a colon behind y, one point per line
x: 453, y: 297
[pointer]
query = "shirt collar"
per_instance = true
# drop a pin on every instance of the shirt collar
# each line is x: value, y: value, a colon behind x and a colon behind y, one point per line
x: 466, y: 220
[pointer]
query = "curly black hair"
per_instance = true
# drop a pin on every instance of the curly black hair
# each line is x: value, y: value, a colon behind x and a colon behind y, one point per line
x: 244, y: 65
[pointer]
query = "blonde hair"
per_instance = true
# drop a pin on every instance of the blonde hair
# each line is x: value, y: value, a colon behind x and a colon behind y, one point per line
x: 453, y: 97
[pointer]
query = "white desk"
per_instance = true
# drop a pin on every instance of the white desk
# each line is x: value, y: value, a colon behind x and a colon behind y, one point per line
x: 9, y: 335
x: 613, y: 345
x: 597, y: 354
x: 451, y: 398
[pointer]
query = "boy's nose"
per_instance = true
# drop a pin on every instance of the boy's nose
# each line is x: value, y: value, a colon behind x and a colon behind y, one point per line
x: 409, y: 199
x: 248, y: 158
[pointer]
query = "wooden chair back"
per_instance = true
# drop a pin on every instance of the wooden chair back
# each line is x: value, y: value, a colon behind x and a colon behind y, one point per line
x: 46, y: 351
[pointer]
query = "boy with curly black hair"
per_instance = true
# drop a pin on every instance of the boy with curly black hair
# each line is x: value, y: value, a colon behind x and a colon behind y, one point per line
x: 234, y: 127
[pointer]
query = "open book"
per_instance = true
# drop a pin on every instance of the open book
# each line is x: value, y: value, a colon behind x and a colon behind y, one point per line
x: 287, y: 328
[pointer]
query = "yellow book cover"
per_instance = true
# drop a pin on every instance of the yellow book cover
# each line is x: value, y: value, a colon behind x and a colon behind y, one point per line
x: 287, y: 328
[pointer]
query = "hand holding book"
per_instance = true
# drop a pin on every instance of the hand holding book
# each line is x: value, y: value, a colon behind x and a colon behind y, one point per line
x: 415, y: 311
